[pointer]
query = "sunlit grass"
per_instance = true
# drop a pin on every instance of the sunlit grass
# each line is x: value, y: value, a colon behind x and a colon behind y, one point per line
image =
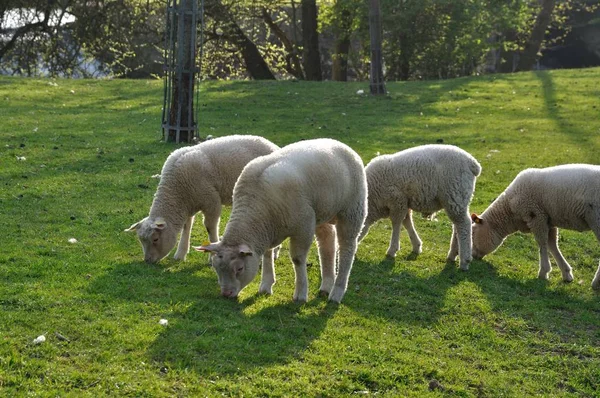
x: 90, y: 149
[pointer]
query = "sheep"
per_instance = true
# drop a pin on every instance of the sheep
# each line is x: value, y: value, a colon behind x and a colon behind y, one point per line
x: 425, y: 179
x: 195, y: 178
x: 314, y: 187
x: 541, y: 201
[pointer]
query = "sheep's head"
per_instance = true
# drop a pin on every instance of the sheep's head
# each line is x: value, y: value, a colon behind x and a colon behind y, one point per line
x: 235, y: 265
x: 485, y: 237
x: 156, y: 236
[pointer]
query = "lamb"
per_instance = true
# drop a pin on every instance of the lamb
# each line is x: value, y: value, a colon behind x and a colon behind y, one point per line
x: 425, y: 179
x: 306, y: 188
x: 195, y: 178
x: 541, y: 201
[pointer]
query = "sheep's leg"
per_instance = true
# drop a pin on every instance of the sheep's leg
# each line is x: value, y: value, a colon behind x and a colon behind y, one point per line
x: 184, y: 241
x: 212, y: 216
x: 299, y: 247
x: 539, y: 226
x: 596, y: 280
x: 327, y: 251
x: 347, y: 229
x: 453, y: 252
x: 267, y: 279
x: 365, y: 229
x: 594, y: 224
x: 415, y: 241
x: 565, y: 268
x: 397, y: 216
x: 276, y: 252
x: 461, y: 232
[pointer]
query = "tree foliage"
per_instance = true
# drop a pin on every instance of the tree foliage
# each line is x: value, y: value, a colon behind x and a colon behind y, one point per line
x: 264, y: 38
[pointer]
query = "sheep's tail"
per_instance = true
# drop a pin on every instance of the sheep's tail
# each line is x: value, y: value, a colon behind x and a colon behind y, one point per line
x: 474, y: 166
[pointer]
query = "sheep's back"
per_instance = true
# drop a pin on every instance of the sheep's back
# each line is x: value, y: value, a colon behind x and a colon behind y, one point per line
x: 566, y: 193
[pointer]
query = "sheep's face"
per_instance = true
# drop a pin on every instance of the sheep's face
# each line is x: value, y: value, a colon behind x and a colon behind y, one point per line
x: 157, y: 238
x: 485, y: 238
x: 236, y: 266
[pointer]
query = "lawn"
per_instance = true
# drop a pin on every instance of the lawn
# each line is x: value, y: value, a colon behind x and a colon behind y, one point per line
x: 76, y: 160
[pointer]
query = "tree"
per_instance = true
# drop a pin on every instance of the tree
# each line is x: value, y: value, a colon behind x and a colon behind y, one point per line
x: 529, y: 55
x: 377, y: 83
x: 310, y: 41
x: 231, y: 31
x: 181, y: 114
x: 342, y: 19
x: 293, y: 64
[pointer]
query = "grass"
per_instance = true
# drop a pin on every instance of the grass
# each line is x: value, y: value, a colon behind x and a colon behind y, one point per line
x: 90, y: 148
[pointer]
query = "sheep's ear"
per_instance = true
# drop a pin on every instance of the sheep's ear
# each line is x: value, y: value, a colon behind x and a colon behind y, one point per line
x: 476, y: 219
x: 209, y: 247
x: 159, y: 223
x: 134, y: 227
x: 245, y: 250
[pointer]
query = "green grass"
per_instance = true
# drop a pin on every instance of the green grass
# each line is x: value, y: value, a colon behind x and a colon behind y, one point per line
x: 91, y: 148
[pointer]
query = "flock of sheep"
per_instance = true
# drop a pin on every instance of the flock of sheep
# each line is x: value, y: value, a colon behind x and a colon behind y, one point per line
x: 320, y: 188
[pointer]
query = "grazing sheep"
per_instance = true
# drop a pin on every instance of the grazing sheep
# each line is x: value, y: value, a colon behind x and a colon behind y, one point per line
x: 307, y: 188
x: 541, y: 201
x: 195, y: 178
x: 425, y: 179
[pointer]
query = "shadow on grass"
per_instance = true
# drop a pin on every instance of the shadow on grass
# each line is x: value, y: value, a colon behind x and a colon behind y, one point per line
x: 207, y: 333
x: 381, y: 290
x: 583, y: 140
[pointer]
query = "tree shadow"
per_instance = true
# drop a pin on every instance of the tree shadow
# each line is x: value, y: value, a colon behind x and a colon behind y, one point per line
x: 583, y: 140
x: 390, y: 291
x: 207, y: 333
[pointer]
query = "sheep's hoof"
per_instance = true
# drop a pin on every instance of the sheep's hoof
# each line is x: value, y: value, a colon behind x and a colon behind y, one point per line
x: 267, y: 291
x: 300, y: 300
x: 596, y: 284
x: 390, y: 256
x: 568, y: 278
x: 543, y: 277
x: 323, y: 293
x: 179, y: 257
x: 336, y: 295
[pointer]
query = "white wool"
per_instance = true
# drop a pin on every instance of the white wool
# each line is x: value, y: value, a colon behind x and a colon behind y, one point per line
x: 294, y: 192
x: 425, y: 179
x: 540, y: 201
x: 193, y: 179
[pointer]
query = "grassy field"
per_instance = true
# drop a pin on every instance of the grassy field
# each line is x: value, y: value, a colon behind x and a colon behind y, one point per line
x: 76, y: 160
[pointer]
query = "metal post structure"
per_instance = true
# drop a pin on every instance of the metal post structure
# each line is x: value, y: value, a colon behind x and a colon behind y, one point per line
x: 182, y: 70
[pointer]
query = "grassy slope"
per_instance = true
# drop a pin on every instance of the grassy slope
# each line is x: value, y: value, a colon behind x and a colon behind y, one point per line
x: 90, y: 149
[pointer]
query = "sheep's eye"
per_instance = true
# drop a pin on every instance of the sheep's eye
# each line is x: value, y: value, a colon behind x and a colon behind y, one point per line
x: 220, y: 256
x: 239, y: 270
x: 155, y: 240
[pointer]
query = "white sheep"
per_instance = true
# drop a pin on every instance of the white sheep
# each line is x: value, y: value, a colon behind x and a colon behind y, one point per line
x: 315, y: 187
x: 195, y: 178
x: 541, y: 201
x: 425, y: 179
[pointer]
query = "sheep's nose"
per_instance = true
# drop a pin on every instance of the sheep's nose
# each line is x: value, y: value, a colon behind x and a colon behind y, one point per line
x: 227, y: 293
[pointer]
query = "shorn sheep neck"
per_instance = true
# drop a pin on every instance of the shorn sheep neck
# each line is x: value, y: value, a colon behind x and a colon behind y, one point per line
x: 249, y: 228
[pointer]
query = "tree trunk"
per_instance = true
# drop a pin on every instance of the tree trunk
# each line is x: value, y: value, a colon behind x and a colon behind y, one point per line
x: 255, y: 63
x: 532, y: 47
x: 310, y: 41
x: 377, y: 85
x: 405, y: 56
x: 181, y: 114
x: 340, y: 59
x: 342, y: 47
